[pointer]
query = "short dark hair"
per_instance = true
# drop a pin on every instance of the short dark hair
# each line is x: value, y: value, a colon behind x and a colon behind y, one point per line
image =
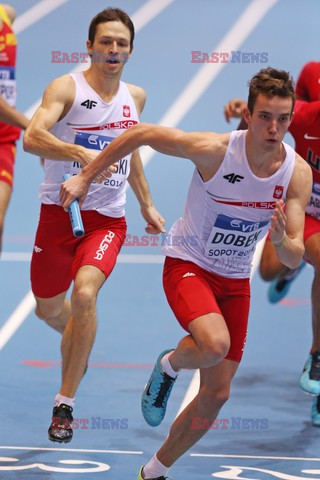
x: 111, y: 15
x: 270, y: 82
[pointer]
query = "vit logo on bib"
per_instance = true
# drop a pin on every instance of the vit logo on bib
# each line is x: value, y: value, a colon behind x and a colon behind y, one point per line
x: 234, y: 237
x: 91, y: 140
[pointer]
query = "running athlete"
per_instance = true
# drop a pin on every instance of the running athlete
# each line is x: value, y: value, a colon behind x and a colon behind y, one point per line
x: 80, y: 115
x: 11, y: 121
x: 237, y: 191
x: 304, y: 128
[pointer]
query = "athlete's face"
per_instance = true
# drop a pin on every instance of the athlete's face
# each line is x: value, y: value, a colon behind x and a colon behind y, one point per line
x: 269, y: 120
x: 111, y: 47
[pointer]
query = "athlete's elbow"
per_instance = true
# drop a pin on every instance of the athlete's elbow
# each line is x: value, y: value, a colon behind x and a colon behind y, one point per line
x: 29, y: 141
x: 144, y: 132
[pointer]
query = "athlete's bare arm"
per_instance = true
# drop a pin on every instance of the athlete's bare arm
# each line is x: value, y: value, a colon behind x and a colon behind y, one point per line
x: 287, y: 227
x: 56, y: 102
x: 11, y: 116
x: 206, y: 150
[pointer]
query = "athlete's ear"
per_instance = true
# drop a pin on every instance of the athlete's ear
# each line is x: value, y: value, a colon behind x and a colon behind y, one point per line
x: 89, y: 48
x: 291, y: 118
x: 246, y: 115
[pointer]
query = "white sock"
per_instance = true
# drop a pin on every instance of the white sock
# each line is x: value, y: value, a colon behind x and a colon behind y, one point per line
x: 61, y: 399
x: 166, y: 366
x: 154, y: 469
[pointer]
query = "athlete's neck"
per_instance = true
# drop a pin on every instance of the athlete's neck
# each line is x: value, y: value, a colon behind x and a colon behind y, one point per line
x: 264, y: 160
x: 106, y: 88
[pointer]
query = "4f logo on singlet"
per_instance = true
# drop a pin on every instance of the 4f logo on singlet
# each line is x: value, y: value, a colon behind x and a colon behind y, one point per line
x: 89, y: 104
x: 233, y: 177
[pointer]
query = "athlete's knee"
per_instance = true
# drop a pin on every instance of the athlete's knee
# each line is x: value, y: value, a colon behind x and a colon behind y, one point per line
x: 84, y: 296
x: 47, y: 311
x: 214, y: 350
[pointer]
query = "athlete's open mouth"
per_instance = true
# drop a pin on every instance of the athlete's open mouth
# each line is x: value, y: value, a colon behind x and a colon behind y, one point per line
x: 113, y: 60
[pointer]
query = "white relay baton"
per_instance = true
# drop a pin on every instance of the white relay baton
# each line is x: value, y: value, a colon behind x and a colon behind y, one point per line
x: 75, y: 215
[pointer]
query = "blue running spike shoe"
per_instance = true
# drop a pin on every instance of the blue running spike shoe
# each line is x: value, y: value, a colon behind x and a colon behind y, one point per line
x: 280, y: 286
x: 140, y: 477
x: 156, y: 393
x: 315, y: 411
x: 310, y: 377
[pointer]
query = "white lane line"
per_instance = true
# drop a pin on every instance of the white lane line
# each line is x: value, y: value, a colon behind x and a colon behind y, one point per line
x: 36, y: 13
x: 122, y: 258
x: 243, y: 27
x: 258, y: 457
x: 191, y: 392
x: 16, y: 319
x: 128, y: 258
x: 148, y: 12
x: 81, y: 450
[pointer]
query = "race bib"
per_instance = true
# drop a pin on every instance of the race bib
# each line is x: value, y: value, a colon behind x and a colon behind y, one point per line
x: 234, y: 237
x: 313, y: 207
x: 8, y: 88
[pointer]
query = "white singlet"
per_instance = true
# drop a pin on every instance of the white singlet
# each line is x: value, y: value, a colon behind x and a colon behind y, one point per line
x: 226, y: 216
x: 92, y: 123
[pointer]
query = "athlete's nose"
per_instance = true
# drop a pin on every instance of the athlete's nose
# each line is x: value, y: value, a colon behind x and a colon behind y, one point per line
x: 273, y: 128
x: 114, y: 47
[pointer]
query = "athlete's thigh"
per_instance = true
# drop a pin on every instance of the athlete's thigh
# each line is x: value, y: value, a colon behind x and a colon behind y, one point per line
x: 312, y: 250
x: 100, y: 248
x: 89, y: 278
x: 50, y: 307
x: 7, y: 158
x: 270, y: 265
x: 312, y: 241
x: 235, y: 306
x: 189, y: 294
x: 53, y: 252
x: 5, y: 194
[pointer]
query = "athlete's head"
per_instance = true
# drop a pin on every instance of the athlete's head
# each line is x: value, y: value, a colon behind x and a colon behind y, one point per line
x: 111, y: 15
x: 270, y: 105
x: 270, y: 82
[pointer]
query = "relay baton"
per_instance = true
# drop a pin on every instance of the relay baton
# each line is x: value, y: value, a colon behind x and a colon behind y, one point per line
x: 74, y: 213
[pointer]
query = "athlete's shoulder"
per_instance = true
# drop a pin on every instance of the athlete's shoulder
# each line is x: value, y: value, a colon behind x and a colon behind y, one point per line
x: 62, y: 83
x: 61, y: 89
x: 139, y: 96
x: 302, y: 167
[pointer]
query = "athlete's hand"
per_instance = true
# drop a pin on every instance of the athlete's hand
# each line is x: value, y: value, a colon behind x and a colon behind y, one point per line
x: 106, y: 173
x: 234, y: 109
x: 155, y: 221
x: 75, y: 187
x: 89, y: 157
x: 278, y: 223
